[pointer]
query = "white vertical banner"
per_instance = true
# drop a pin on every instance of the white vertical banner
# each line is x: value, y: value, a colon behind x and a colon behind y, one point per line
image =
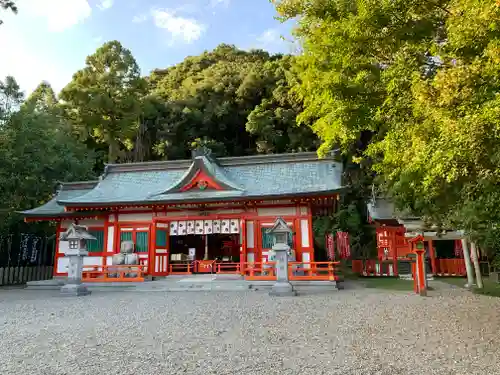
x: 224, y: 226
x: 174, y: 228
x: 216, y: 226
x: 190, y: 227
x: 207, y: 227
x: 199, y: 227
x: 181, y: 231
x: 234, y: 226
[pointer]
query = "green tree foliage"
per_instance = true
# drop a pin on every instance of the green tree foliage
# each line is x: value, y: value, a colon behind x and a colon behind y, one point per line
x: 234, y: 102
x: 273, y: 120
x: 8, y: 5
x: 410, y: 89
x: 238, y: 101
x: 11, y: 97
x: 43, y: 99
x: 104, y: 100
x: 36, y: 151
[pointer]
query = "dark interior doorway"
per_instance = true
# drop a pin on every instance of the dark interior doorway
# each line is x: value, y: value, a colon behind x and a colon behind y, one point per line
x: 221, y: 247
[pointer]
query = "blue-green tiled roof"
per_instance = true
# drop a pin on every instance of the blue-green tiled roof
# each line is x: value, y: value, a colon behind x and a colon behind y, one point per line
x: 384, y: 209
x: 67, y: 192
x: 270, y: 175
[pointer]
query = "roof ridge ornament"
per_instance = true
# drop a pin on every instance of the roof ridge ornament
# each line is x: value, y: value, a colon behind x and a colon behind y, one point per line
x: 201, y: 151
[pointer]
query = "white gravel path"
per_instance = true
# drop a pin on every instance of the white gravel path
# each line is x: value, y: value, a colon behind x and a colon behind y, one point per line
x: 355, y: 331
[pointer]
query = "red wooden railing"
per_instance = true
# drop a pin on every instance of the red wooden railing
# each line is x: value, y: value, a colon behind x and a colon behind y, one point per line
x: 374, y: 267
x: 251, y: 271
x: 450, y: 267
x: 312, y: 271
x: 121, y: 273
x: 319, y: 271
x: 228, y: 268
x: 181, y: 268
x: 259, y: 271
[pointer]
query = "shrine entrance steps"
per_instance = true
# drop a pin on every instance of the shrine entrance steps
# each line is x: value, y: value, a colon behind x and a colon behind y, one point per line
x: 192, y: 283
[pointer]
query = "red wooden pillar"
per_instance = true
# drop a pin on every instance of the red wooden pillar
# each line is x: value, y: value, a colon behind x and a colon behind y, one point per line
x: 105, y: 240
x: 432, y: 253
x: 116, y: 243
x: 394, y: 253
x: 257, y: 229
x: 243, y: 252
x: 56, y: 249
x: 417, y: 245
x: 152, y: 247
x: 422, y: 290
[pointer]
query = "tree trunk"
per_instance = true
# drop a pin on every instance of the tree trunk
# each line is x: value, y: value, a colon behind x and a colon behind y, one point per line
x: 468, y: 264
x: 477, y: 268
x: 110, y: 152
x: 141, y: 146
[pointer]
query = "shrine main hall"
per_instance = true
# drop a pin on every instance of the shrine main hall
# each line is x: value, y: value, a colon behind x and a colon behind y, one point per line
x: 208, y: 211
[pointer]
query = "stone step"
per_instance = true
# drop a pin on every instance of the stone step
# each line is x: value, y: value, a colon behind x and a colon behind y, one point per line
x: 188, y: 285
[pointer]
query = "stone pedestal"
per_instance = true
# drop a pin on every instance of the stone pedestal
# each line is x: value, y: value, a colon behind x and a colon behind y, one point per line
x: 282, y: 287
x: 74, y: 290
x: 77, y: 237
x: 73, y: 286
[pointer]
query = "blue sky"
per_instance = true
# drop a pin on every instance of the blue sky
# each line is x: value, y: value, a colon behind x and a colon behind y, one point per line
x: 49, y: 39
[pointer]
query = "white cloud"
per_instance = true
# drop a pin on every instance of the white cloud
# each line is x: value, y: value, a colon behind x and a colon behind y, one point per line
x: 140, y: 18
x: 272, y: 40
x: 29, y: 41
x: 30, y: 66
x: 59, y: 15
x: 215, y: 3
x: 180, y: 28
x: 270, y: 36
x: 105, y: 4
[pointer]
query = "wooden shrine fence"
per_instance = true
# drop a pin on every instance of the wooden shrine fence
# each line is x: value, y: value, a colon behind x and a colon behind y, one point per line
x: 25, y: 257
x: 263, y: 271
x: 443, y: 267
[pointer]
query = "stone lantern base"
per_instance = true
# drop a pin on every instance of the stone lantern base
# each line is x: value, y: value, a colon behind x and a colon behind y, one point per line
x: 74, y: 290
x: 283, y: 289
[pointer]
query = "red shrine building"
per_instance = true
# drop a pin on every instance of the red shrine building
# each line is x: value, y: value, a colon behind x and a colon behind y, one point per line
x: 443, y: 249
x: 207, y: 209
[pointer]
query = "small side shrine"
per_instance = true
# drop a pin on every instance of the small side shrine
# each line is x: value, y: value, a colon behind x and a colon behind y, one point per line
x: 76, y: 237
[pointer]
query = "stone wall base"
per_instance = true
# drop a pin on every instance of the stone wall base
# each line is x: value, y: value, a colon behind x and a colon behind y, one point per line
x: 283, y: 290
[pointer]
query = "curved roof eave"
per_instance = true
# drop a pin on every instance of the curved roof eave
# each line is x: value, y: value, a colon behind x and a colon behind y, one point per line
x: 203, y: 200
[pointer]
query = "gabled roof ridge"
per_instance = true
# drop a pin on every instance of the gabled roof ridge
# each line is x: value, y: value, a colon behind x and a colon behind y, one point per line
x: 205, y: 164
x: 78, y: 185
x: 227, y: 161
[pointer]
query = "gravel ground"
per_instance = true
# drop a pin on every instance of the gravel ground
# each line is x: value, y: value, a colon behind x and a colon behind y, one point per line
x: 354, y: 331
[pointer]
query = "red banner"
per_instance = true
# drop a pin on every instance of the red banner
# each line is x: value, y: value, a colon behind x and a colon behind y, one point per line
x: 343, y: 245
x: 459, y: 251
x: 330, y: 246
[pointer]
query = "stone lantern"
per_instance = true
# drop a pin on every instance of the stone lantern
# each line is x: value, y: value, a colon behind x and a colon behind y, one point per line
x: 77, y: 237
x: 280, y: 232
